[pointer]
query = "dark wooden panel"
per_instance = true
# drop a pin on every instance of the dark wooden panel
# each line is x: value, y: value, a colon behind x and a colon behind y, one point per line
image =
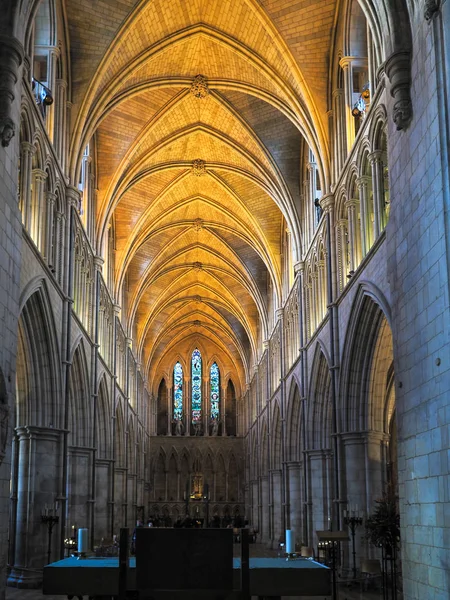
x: 184, y: 559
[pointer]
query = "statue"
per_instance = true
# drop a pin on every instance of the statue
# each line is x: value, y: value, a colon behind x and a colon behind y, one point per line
x: 197, y: 428
x: 215, y: 427
x: 179, y: 427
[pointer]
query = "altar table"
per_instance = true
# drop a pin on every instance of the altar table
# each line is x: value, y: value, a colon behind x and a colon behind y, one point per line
x: 269, y: 577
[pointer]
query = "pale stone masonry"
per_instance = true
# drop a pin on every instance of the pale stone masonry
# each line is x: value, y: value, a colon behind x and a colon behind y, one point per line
x: 289, y: 225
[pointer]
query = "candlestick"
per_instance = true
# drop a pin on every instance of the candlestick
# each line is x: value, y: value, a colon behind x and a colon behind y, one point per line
x: 83, y: 542
x: 290, y: 542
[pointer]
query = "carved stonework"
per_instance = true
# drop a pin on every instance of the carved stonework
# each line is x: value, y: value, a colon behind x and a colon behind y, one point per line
x: 198, y: 224
x: 431, y: 8
x: 7, y: 130
x: 11, y: 56
x: 398, y: 71
x: 4, y: 421
x: 199, y: 87
x: 199, y: 167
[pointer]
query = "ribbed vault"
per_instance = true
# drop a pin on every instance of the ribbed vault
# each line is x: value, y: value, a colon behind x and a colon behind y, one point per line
x: 199, y: 177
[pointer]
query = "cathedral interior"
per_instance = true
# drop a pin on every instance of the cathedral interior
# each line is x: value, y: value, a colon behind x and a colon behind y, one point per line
x: 224, y: 283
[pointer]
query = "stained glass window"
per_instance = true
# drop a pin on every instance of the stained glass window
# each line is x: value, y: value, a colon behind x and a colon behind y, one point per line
x: 178, y: 392
x: 196, y: 366
x: 214, y: 376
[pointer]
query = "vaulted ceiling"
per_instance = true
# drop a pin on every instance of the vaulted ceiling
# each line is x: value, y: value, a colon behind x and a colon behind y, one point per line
x: 199, y: 110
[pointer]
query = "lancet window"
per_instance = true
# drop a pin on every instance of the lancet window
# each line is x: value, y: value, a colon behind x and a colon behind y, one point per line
x: 178, y: 392
x: 196, y: 372
x: 214, y: 377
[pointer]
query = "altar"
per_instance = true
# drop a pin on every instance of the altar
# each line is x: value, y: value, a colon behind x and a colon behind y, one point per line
x: 269, y: 577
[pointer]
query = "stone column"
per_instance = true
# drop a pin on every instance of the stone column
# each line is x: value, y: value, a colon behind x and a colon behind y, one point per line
x: 53, y: 56
x: 322, y: 289
x: 265, y: 509
x: 27, y: 151
x: 343, y: 264
x: 295, y: 499
x: 223, y: 409
x: 169, y: 409
x: 60, y: 120
x: 378, y: 192
x: 355, y: 453
x: 187, y: 405
x: 277, y: 508
x: 39, y: 467
x: 103, y: 506
x: 38, y: 212
x: 366, y: 225
x: 346, y: 65
x: 354, y: 233
x: 49, y: 231
x: 78, y: 485
x: 206, y: 405
x: 321, y: 505
x: 340, y: 133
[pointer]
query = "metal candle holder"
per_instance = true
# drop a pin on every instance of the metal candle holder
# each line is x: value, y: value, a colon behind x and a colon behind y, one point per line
x: 50, y: 521
x: 353, y: 522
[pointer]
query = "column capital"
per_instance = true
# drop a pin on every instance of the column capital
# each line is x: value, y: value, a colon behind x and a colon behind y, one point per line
x: 39, y: 175
x: 299, y: 266
x: 346, y: 61
x: 99, y: 262
x: 362, y: 181
x: 73, y: 196
x: 27, y: 147
x: 351, y: 203
x: 375, y: 156
x: 327, y: 202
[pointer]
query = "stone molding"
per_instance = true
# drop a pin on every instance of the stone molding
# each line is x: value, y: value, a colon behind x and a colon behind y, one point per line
x: 11, y: 57
x: 398, y: 71
x: 431, y: 7
x: 199, y: 87
x: 198, y: 167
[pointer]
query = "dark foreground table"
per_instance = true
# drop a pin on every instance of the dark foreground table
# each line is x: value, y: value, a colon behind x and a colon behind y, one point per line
x: 269, y: 577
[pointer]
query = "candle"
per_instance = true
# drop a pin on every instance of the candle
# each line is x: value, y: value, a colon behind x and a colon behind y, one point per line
x: 83, y: 544
x: 290, y: 541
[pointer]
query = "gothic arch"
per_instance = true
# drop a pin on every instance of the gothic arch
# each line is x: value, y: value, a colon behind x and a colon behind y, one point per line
x: 320, y: 402
x: 80, y: 412
x: 294, y: 418
x: 38, y: 364
x: 366, y: 370
x: 103, y: 434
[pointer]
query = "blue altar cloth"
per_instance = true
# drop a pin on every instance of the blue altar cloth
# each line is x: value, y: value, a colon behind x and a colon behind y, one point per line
x: 97, y: 576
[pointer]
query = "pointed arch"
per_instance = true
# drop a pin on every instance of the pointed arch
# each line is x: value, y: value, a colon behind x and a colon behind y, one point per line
x: 38, y: 362
x: 80, y: 413
x: 320, y: 404
x: 294, y: 420
x: 367, y: 365
x: 103, y: 433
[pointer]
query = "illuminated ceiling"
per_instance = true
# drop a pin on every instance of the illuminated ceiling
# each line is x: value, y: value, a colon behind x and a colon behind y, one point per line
x: 200, y: 175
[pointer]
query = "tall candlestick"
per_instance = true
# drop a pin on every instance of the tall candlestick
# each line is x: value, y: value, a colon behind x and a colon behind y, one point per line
x: 83, y: 543
x: 290, y: 541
